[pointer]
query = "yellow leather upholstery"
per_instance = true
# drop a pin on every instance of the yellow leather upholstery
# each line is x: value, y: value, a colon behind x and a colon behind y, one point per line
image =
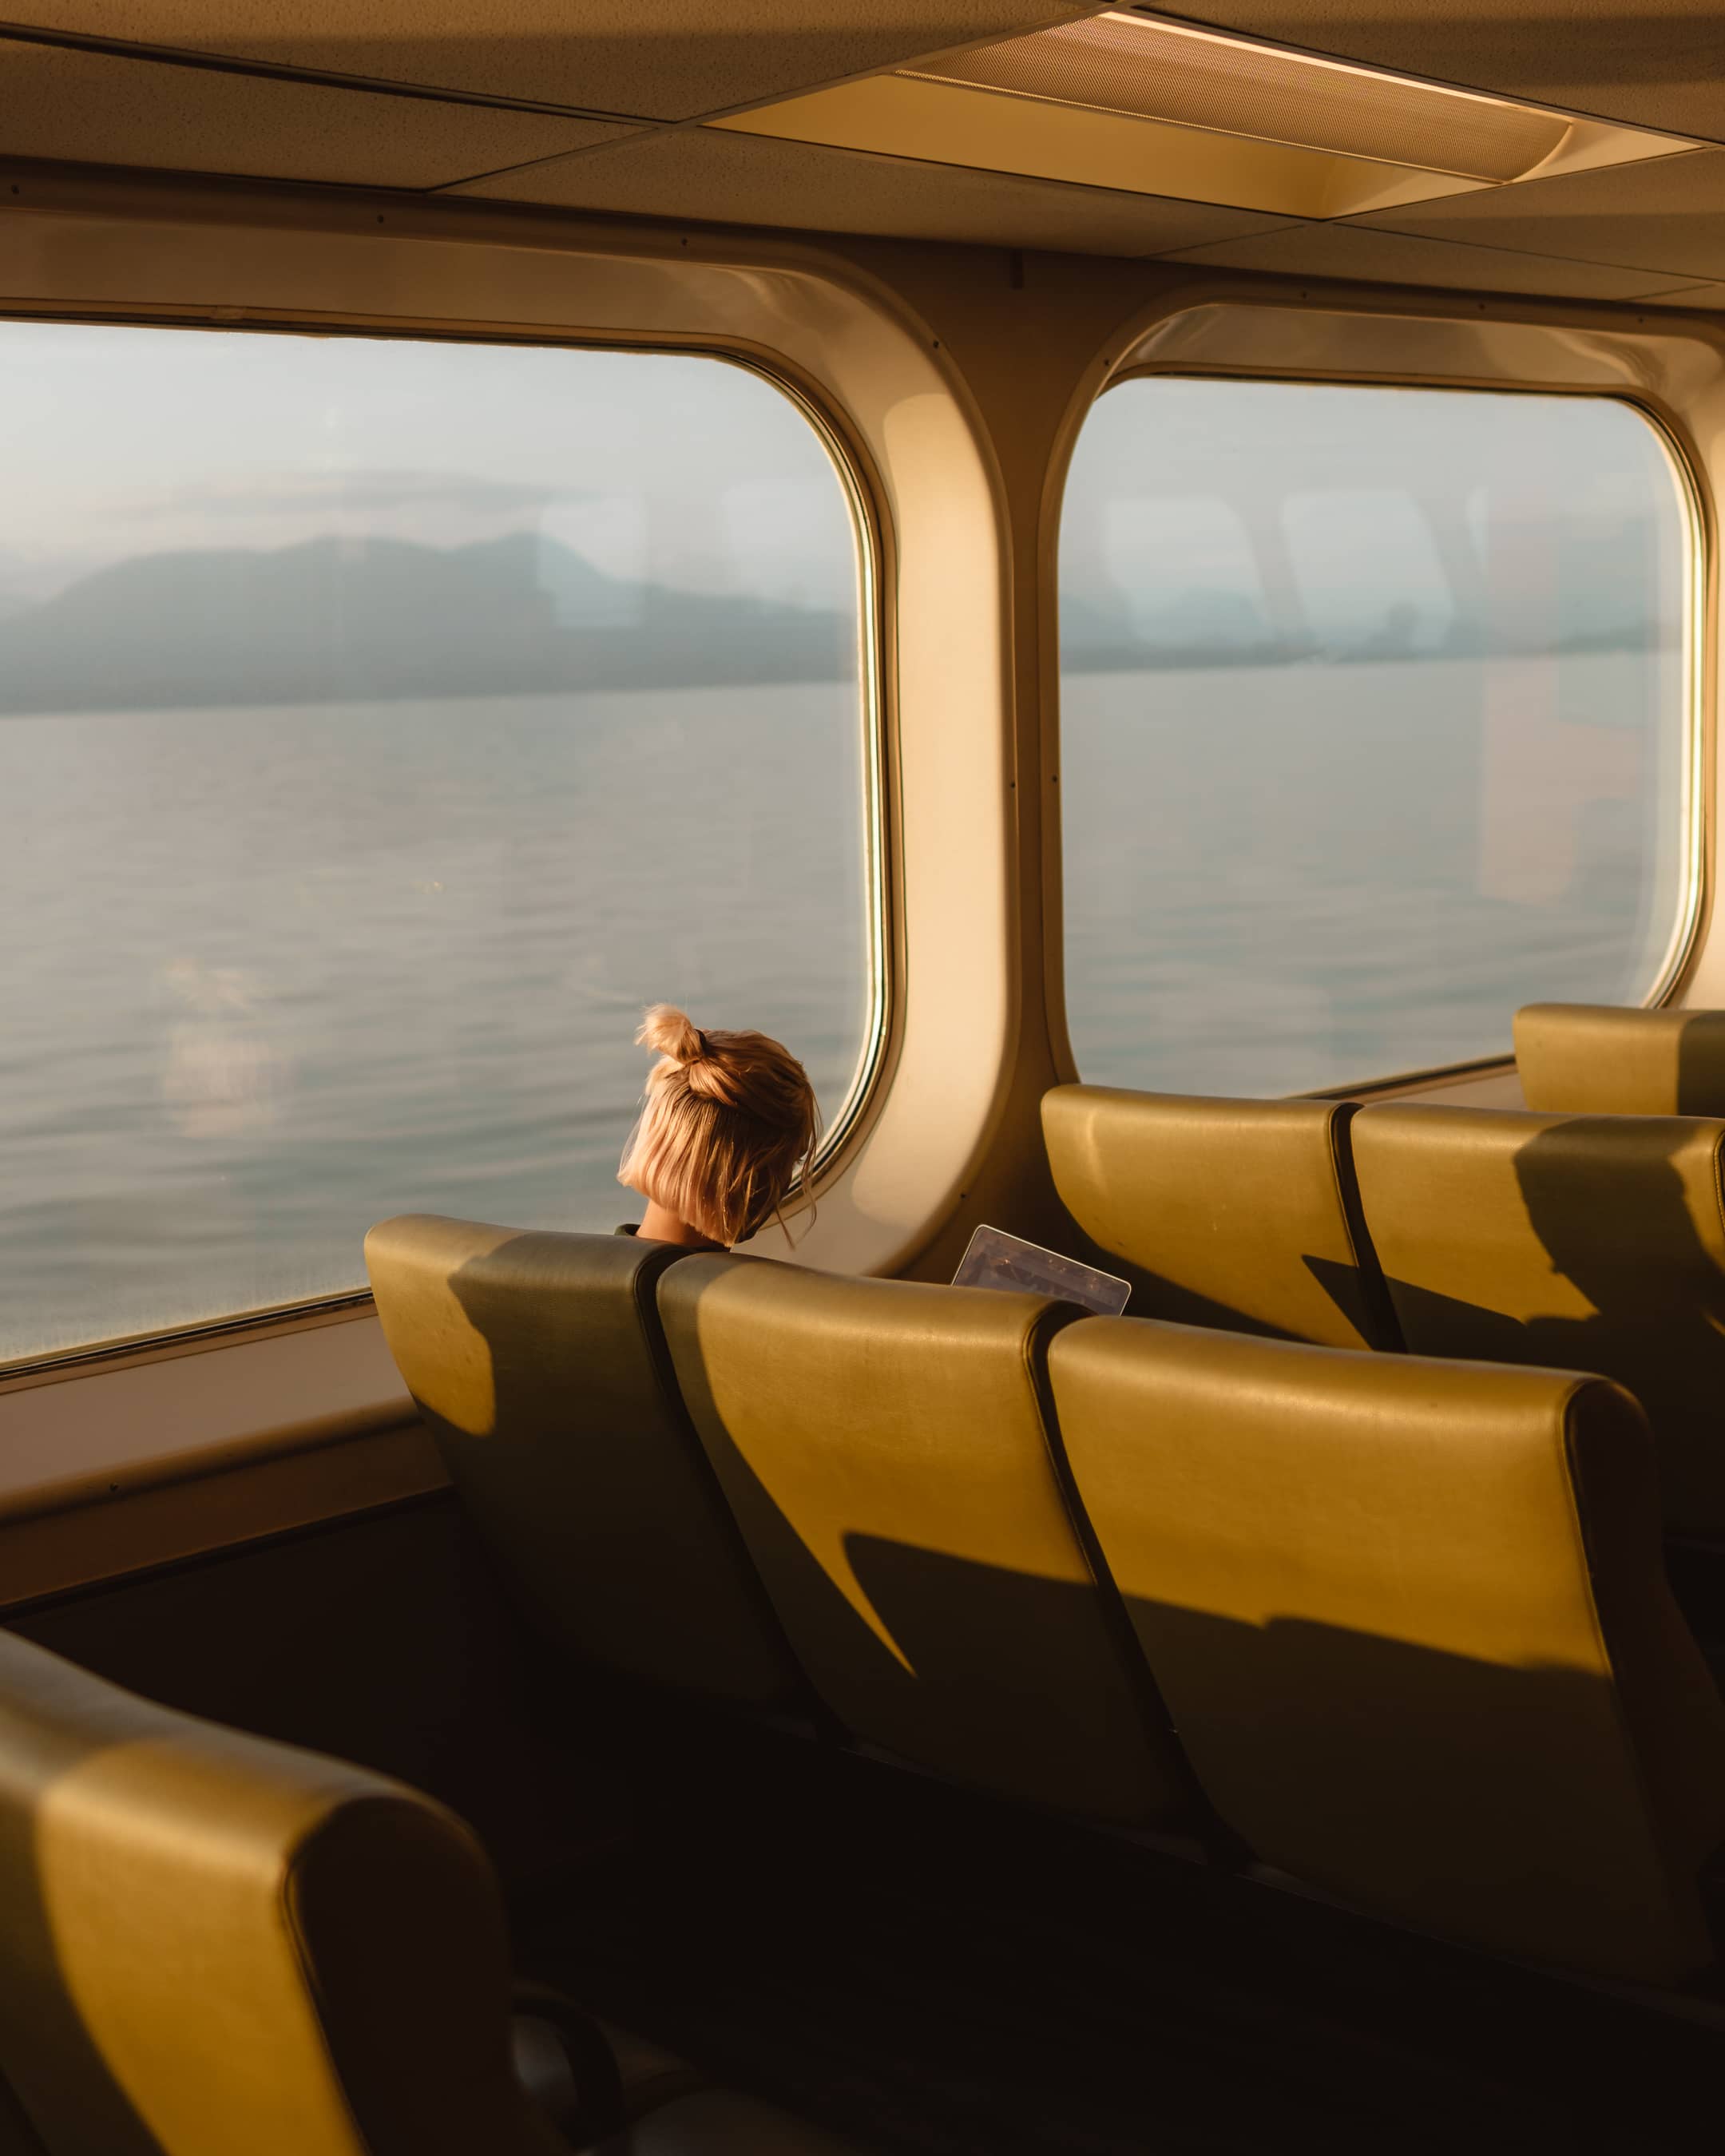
x: 213, y: 1944
x: 1599, y: 1059
x: 1237, y: 1214
x: 1582, y: 1243
x: 1411, y: 1621
x: 884, y: 1446
x: 538, y: 1362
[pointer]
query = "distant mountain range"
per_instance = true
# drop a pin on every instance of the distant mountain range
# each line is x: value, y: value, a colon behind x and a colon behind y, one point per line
x: 1104, y: 633
x: 335, y: 620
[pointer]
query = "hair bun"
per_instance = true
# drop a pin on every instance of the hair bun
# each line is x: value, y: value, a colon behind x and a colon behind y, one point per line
x: 727, y: 1129
x: 672, y: 1033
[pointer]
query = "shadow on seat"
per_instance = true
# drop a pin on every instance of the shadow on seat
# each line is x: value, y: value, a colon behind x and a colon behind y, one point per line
x: 539, y: 1362
x: 1586, y: 1242
x: 1237, y: 1215
x: 214, y: 1942
x: 1411, y: 1621
x: 885, y: 1448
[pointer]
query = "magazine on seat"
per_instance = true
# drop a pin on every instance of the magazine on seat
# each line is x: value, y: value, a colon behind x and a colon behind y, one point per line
x: 996, y: 1260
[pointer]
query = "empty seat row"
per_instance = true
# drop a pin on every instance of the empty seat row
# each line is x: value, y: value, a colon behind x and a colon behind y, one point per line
x: 1408, y: 1618
x: 1581, y: 1242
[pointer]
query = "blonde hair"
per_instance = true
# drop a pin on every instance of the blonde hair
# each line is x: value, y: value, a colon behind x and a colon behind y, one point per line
x: 727, y: 1129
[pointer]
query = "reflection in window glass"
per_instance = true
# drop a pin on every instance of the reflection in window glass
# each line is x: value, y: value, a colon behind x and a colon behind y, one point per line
x: 382, y: 725
x: 1394, y: 743
x: 1330, y: 534
x: 1158, y: 551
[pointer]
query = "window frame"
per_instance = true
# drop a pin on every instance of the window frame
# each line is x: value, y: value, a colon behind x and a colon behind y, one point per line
x: 1138, y: 362
x: 870, y: 527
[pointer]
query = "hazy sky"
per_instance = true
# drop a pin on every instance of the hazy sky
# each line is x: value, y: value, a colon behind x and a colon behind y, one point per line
x: 1263, y: 440
x: 123, y: 441
x: 1183, y: 485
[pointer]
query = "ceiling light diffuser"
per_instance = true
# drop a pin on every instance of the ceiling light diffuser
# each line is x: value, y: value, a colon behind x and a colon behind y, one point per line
x: 1160, y: 70
x: 1137, y: 104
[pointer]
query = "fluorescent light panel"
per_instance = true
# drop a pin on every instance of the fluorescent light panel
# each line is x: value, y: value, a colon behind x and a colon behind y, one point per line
x: 1151, y: 69
x: 1138, y: 104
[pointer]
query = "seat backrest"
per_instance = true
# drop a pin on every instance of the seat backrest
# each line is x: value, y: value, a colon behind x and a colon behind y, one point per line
x: 1602, y: 1059
x: 1579, y: 1242
x: 1236, y: 1213
x: 214, y: 1944
x: 538, y: 1361
x: 885, y: 1448
x: 1411, y: 1622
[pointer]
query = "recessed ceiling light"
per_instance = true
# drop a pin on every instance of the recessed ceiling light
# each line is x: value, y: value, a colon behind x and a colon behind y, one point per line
x: 1154, y: 69
x: 1137, y: 104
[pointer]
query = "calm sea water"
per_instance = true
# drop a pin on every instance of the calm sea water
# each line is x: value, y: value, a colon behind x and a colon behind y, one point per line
x: 1283, y: 879
x: 271, y: 975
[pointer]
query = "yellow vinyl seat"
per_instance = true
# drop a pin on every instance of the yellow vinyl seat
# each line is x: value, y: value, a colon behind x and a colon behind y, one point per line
x: 1411, y: 1622
x: 1578, y: 1242
x: 1604, y: 1060
x: 885, y: 1448
x: 212, y: 1944
x: 215, y: 1944
x: 1236, y: 1213
x: 538, y: 1362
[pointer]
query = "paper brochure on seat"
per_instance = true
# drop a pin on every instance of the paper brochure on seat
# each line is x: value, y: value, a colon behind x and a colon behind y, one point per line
x: 996, y: 1260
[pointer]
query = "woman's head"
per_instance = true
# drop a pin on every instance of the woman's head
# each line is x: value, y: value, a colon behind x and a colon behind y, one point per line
x: 728, y: 1130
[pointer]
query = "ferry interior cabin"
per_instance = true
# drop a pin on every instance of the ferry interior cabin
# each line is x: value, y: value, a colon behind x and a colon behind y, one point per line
x: 1140, y: 590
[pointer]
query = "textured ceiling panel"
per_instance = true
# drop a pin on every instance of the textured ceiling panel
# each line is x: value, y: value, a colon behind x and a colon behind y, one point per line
x: 1657, y: 62
x: 1668, y: 214
x: 665, y: 60
x: 1393, y: 257
x: 741, y: 179
x: 90, y: 107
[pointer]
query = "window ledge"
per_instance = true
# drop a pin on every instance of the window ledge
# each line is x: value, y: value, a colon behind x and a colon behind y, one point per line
x: 71, y: 1441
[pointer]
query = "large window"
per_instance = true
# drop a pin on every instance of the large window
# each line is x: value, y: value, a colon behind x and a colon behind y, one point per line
x: 382, y: 723
x: 1374, y: 725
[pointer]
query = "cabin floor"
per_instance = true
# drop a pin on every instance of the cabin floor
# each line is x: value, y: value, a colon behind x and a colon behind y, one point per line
x: 923, y: 1970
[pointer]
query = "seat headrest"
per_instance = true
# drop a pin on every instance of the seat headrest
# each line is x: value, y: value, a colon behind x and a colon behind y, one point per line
x: 214, y: 1941
x: 439, y: 1281
x: 1601, y: 1059
x: 1240, y: 1214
